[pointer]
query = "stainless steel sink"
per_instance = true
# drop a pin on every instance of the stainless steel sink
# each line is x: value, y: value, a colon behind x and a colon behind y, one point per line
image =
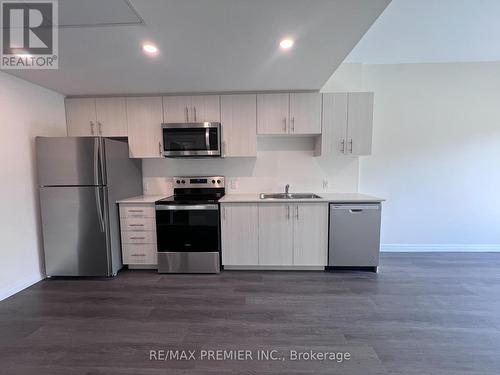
x: 289, y: 196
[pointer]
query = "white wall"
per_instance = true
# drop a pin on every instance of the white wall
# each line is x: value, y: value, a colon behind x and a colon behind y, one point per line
x: 436, y: 154
x: 26, y: 110
x: 279, y: 161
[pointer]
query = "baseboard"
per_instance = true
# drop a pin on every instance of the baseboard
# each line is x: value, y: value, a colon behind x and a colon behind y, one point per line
x: 463, y: 248
x: 9, y: 290
x: 275, y: 268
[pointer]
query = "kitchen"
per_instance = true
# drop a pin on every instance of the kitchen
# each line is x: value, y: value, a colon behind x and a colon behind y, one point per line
x: 223, y: 126
x: 229, y: 186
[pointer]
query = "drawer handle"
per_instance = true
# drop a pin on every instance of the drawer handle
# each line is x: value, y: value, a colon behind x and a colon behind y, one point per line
x: 138, y: 255
x: 355, y: 210
x: 137, y: 238
x: 136, y: 225
x: 136, y: 210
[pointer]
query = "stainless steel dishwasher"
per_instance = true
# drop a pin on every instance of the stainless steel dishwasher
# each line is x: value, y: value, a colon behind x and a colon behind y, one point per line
x: 354, y: 236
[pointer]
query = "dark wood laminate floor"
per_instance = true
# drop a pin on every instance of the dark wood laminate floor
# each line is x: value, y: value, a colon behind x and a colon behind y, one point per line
x: 429, y: 313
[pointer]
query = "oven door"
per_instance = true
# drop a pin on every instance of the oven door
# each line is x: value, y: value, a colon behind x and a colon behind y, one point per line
x: 189, y: 228
x: 191, y: 139
x: 188, y: 238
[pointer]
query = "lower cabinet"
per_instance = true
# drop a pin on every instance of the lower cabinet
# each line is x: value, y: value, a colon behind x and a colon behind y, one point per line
x: 240, y: 234
x: 310, y: 234
x: 274, y: 234
x: 138, y: 234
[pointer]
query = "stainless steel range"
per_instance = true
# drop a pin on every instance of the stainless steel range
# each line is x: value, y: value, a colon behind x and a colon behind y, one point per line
x: 188, y: 226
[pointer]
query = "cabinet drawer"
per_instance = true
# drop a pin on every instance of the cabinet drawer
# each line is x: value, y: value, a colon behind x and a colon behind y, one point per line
x: 138, y: 238
x: 137, y: 211
x: 139, y: 254
x: 139, y: 224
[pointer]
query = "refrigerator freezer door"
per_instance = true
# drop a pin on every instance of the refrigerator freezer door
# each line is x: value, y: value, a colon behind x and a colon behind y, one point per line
x: 70, y: 161
x: 75, y: 231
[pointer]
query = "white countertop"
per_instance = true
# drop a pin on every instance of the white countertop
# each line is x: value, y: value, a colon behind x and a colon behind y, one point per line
x: 142, y: 199
x: 255, y: 198
x: 325, y: 197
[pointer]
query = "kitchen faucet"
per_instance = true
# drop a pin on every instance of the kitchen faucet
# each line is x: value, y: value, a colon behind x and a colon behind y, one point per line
x: 287, y: 187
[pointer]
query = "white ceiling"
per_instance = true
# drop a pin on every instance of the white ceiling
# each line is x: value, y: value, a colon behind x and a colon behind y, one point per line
x: 419, y: 31
x: 205, y: 45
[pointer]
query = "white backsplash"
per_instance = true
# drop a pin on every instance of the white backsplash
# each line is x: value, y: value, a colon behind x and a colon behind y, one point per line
x: 280, y: 161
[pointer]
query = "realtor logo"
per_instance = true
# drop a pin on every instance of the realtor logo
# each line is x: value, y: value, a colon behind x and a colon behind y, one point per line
x: 29, y: 35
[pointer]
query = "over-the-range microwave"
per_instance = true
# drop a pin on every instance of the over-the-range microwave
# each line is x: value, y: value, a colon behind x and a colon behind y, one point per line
x: 196, y: 139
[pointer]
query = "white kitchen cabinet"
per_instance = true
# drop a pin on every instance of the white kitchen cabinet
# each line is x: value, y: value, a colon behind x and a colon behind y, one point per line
x: 198, y: 108
x: 293, y: 234
x: 206, y: 108
x: 289, y: 113
x: 81, y: 117
x: 360, y: 123
x: 305, y: 113
x: 239, y: 125
x: 96, y: 116
x: 138, y: 234
x: 334, y: 125
x: 111, y: 116
x: 144, y: 118
x: 275, y: 234
x: 347, y: 124
x: 273, y: 113
x: 310, y: 234
x: 240, y: 233
x: 176, y: 109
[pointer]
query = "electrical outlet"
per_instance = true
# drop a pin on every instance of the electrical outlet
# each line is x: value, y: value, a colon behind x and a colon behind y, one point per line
x: 234, y: 184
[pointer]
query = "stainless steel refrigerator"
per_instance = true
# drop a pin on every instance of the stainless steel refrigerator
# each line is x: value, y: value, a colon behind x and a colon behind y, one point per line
x: 80, y: 179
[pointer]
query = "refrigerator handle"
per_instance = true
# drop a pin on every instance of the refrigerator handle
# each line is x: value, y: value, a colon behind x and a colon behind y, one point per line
x: 102, y: 170
x: 96, y: 161
x: 100, y: 212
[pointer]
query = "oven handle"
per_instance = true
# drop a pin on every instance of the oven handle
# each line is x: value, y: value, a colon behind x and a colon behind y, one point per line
x: 212, y: 207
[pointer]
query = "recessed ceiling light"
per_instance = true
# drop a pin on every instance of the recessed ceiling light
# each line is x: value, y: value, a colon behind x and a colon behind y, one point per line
x: 150, y: 49
x: 286, y: 43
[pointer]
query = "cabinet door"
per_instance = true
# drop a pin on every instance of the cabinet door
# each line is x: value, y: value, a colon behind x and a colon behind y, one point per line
x: 333, y: 139
x: 81, y: 117
x: 177, y: 109
x: 272, y: 113
x: 240, y: 233
x: 310, y: 234
x: 239, y: 125
x: 360, y: 123
x: 144, y: 118
x: 111, y: 117
x: 305, y: 113
x: 275, y: 234
x: 205, y: 108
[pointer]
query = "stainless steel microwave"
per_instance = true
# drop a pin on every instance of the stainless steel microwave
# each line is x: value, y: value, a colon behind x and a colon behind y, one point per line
x: 191, y: 139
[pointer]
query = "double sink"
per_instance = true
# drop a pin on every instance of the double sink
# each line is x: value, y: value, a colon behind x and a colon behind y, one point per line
x: 289, y: 196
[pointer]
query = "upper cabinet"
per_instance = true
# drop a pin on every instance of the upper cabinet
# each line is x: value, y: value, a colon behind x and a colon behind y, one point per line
x: 360, y: 123
x: 272, y: 113
x: 81, y: 117
x: 239, y: 125
x: 347, y: 124
x: 294, y: 113
x: 199, y: 108
x: 144, y: 116
x: 206, y: 108
x: 96, y: 116
x: 305, y: 113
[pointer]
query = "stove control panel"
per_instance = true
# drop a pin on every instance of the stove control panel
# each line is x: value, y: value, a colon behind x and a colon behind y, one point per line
x: 198, y: 182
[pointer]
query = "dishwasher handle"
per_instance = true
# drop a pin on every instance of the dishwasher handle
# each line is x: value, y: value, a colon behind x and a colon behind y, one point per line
x: 355, y: 208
